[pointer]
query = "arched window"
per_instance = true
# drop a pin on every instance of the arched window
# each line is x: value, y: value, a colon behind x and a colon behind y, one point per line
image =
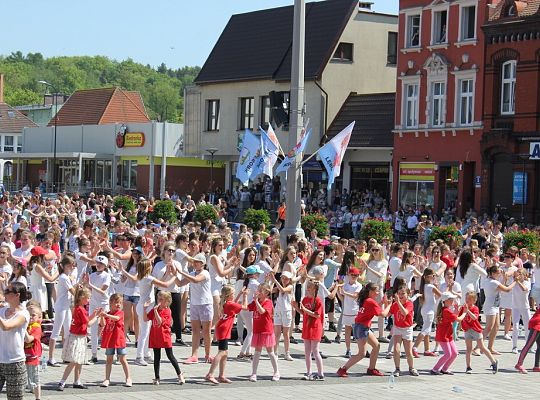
x: 508, y: 87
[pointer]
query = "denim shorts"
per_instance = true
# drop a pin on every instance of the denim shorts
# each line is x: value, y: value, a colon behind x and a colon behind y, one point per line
x: 132, y: 299
x: 360, y: 331
x: 121, y: 351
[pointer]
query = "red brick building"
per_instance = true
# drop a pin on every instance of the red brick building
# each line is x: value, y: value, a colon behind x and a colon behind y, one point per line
x: 511, y: 138
x: 438, y: 119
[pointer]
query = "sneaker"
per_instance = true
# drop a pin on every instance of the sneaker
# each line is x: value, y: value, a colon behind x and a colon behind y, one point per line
x: 191, y: 360
x: 383, y: 340
x: 332, y: 327
x: 181, y: 379
x: 323, y: 356
x: 105, y: 383
x: 348, y: 354
x: 238, y: 343
x: 337, y: 339
x: 468, y: 370
x: 129, y: 383
x: 447, y: 372
x: 180, y: 342
x: 116, y: 361
x: 536, y: 369
x: 342, y: 373
x: 293, y: 340
x: 141, y: 362
x: 396, y: 372
x: 288, y: 357
x: 317, y: 377
x: 374, y: 372
x: 433, y: 372
x: 507, y: 337
x: 413, y: 371
x: 514, y: 350
x: 61, y: 386
x: 53, y: 363
x: 306, y: 377
x: 521, y: 369
x: 149, y: 359
x: 324, y: 339
x: 93, y: 360
x: 415, y: 353
x: 389, y: 356
x: 495, y: 367
x: 79, y: 386
x: 155, y: 382
x: 253, y: 378
x: 275, y: 378
x: 430, y: 354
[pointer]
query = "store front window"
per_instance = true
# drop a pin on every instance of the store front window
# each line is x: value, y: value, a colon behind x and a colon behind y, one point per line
x: 372, y: 177
x: 416, y: 183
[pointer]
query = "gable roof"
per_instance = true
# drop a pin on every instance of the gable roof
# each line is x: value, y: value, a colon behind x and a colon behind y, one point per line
x: 101, y: 106
x: 523, y: 8
x: 374, y: 116
x: 12, y: 120
x: 258, y: 45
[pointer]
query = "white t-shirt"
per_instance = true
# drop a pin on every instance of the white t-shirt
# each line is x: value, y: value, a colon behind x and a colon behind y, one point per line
x: 430, y: 302
x: 379, y: 266
x: 470, y: 281
x: 160, y: 272
x: 81, y: 265
x: 252, y: 287
x: 63, y: 295
x: 20, y: 253
x: 393, y: 265
x: 493, y: 298
x: 100, y: 279
x: 11, y: 246
x: 265, y: 267
x: 520, y: 297
x: 283, y: 301
x: 200, y: 292
x: 408, y: 274
x: 214, y: 276
x: 456, y: 287
x: 146, y: 285
x: 131, y: 288
x: 350, y: 305
x: 12, y: 348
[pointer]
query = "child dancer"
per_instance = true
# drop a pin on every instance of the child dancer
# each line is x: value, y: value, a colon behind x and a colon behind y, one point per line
x: 160, y: 335
x: 113, y: 339
x: 283, y: 311
x: 402, y: 312
x: 228, y: 309
x: 32, y: 347
x: 263, y: 331
x: 430, y: 295
x: 74, y: 350
x: 473, y: 331
x: 349, y: 296
x: 444, y: 334
x: 368, y: 308
x: 99, y: 283
x: 312, y: 310
x: 251, y: 282
x: 520, y: 304
x: 534, y: 336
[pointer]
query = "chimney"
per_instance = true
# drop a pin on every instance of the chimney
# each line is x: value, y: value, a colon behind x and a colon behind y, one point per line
x: 1, y: 88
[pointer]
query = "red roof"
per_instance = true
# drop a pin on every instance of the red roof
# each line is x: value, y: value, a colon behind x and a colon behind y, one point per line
x: 102, y: 106
x: 13, y: 121
x: 522, y: 8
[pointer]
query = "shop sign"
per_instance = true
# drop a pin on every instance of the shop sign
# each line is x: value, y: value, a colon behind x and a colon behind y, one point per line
x: 534, y: 152
x: 477, y: 181
x: 129, y: 139
x: 519, y: 191
x: 424, y: 172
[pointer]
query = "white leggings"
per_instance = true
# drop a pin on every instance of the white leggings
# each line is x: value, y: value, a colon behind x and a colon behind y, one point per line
x: 144, y: 331
x: 62, y: 318
x: 94, y: 329
x: 247, y: 319
x: 518, y: 313
x: 311, y: 348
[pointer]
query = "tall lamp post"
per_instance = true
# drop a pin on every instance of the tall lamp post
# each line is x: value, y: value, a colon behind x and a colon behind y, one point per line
x: 55, y: 127
x: 212, y: 151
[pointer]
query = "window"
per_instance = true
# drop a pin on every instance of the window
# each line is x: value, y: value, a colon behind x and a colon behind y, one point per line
x: 437, y: 103
x: 411, y: 106
x: 212, y: 115
x: 265, y: 111
x: 508, y: 87
x: 466, y: 97
x: 129, y: 174
x: 439, y: 26
x: 8, y: 143
x: 468, y: 23
x: 246, y: 112
x: 391, y: 55
x: 19, y: 144
x: 413, y: 31
x: 344, y: 52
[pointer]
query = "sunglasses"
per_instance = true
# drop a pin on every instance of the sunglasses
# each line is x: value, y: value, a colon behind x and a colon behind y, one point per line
x: 170, y: 250
x: 374, y: 250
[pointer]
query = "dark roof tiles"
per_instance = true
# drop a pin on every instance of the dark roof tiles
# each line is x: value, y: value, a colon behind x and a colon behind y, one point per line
x: 13, y: 121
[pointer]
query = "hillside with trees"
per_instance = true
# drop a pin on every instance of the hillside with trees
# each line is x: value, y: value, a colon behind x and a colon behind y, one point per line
x: 162, y: 89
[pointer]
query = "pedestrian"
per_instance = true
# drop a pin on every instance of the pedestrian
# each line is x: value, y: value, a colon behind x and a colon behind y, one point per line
x: 32, y: 347
x: 348, y: 293
x: 283, y: 311
x: 534, y: 337
x: 428, y: 300
x: 402, y: 331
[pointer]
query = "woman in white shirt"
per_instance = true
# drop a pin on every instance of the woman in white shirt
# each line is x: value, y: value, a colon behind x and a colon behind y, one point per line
x: 218, y: 268
x: 468, y: 273
x: 520, y: 304
x: 407, y: 270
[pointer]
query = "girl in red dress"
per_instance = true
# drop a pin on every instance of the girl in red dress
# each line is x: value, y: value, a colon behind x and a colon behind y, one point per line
x: 311, y: 308
x: 160, y: 335
x: 113, y: 338
x: 263, y: 330
x: 228, y: 309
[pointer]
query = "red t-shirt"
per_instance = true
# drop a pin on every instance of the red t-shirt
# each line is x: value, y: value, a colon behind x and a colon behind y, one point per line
x: 448, y: 260
x: 225, y: 323
x: 160, y: 335
x: 468, y: 322
x: 313, y: 327
x: 444, y: 327
x: 262, y: 323
x: 114, y: 335
x: 400, y: 320
x: 534, y: 322
x: 367, y: 311
x: 33, y: 349
x: 79, y: 321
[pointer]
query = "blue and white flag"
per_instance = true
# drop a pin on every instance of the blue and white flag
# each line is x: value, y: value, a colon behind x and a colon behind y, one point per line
x: 249, y: 156
x: 332, y: 153
x: 267, y: 159
x: 291, y: 155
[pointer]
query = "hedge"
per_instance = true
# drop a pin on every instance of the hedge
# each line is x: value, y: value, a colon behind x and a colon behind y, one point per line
x: 163, y: 209
x: 376, y: 229
x: 315, y: 221
x: 254, y: 218
x: 529, y: 240
x: 204, y: 212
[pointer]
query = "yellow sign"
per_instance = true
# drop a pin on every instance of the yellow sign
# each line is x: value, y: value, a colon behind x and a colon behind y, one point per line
x: 134, y: 139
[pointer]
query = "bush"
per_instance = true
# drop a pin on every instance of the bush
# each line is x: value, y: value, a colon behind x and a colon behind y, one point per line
x: 448, y: 234
x: 204, y: 212
x: 315, y: 221
x: 163, y: 209
x: 125, y: 202
x: 376, y: 229
x: 529, y: 240
x: 254, y: 218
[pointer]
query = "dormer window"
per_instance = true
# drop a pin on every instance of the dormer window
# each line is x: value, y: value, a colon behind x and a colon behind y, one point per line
x: 511, y: 11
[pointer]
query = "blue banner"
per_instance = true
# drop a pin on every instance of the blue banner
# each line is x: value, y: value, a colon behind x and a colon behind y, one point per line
x: 519, y: 191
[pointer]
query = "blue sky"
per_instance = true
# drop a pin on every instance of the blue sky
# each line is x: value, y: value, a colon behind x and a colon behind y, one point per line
x: 177, y: 32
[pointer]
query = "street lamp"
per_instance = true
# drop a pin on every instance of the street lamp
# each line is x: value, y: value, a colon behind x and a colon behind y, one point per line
x: 55, y: 127
x: 212, y: 151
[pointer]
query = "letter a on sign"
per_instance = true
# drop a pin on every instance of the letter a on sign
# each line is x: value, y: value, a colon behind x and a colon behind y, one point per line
x: 535, y: 151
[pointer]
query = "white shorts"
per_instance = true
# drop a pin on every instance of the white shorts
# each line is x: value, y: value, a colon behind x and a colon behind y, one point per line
x: 428, y: 323
x: 283, y: 318
x: 490, y: 310
x: 216, y: 286
x: 405, y: 333
x: 348, y: 320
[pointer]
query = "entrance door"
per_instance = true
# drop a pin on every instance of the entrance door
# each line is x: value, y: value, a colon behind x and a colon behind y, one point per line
x: 69, y: 175
x: 501, y: 181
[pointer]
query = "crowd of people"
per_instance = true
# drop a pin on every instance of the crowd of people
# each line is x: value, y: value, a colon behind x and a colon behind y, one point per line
x: 102, y: 284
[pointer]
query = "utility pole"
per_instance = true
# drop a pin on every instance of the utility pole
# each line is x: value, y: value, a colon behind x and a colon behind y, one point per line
x: 294, y: 192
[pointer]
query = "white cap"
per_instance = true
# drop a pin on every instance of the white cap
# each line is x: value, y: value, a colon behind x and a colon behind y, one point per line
x: 286, y: 274
x: 200, y: 257
x: 102, y: 259
x: 447, y: 296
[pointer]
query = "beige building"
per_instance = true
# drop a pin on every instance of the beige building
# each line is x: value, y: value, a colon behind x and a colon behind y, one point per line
x: 349, y: 48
